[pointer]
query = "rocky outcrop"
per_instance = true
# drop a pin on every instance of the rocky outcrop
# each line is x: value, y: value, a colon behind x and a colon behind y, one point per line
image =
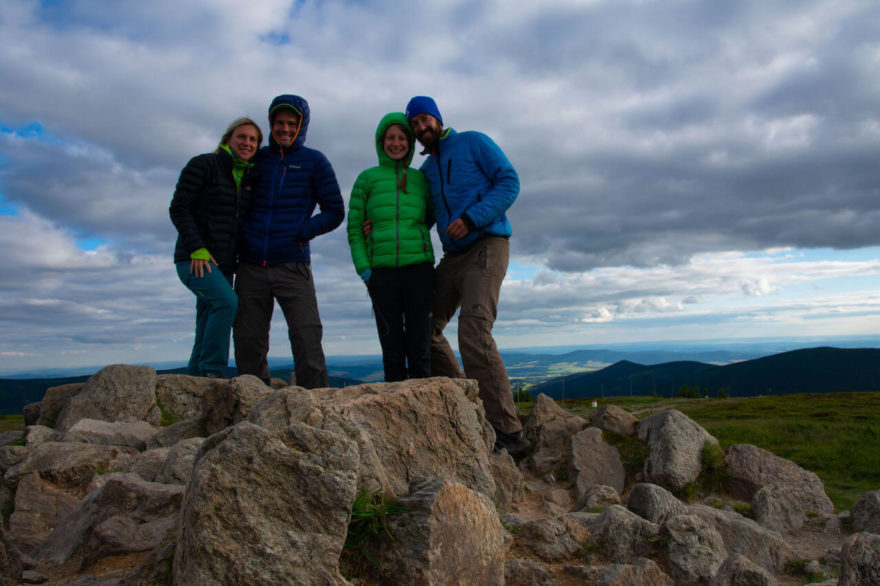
x: 675, y: 443
x: 186, y: 480
x: 444, y: 528
x: 613, y: 419
x: 116, y: 393
x: 281, y: 501
x: 865, y: 514
x: 860, y: 560
x: 782, y: 494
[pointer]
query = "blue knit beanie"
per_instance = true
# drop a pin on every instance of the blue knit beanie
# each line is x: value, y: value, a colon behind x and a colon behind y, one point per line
x: 422, y: 105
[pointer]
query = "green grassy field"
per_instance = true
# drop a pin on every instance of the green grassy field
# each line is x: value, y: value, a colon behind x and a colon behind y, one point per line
x: 835, y: 435
x: 11, y: 422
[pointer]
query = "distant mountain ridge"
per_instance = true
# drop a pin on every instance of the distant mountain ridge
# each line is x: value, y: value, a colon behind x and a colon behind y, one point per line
x: 590, y: 373
x: 810, y: 370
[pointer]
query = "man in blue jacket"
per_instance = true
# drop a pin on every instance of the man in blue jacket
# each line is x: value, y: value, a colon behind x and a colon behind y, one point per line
x: 472, y: 186
x: 291, y: 180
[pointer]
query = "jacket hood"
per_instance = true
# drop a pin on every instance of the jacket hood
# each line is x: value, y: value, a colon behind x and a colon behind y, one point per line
x: 390, y: 120
x: 300, y: 105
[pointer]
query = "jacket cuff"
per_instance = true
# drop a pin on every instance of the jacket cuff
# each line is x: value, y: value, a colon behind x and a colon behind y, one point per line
x: 200, y: 254
x: 468, y: 222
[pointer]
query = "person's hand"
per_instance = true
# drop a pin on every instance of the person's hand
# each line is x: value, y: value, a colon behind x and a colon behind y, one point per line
x: 457, y: 230
x: 368, y: 228
x: 198, y: 267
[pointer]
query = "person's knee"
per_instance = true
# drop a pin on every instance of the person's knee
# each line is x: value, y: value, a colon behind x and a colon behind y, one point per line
x: 471, y: 327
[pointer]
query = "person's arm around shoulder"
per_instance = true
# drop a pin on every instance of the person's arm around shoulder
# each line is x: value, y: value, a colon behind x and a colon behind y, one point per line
x: 503, y: 180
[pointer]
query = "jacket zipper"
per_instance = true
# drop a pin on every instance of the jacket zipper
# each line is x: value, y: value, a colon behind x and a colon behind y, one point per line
x: 396, y: 215
x: 280, y: 185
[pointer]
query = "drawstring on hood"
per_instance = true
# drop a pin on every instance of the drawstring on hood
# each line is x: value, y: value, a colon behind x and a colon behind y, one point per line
x: 298, y: 105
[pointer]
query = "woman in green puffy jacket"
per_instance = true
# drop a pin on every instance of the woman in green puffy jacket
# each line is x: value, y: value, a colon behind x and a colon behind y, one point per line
x: 396, y: 259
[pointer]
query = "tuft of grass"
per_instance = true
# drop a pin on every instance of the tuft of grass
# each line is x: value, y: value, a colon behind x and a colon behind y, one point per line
x: 633, y: 453
x: 168, y: 418
x: 369, y: 514
x: 799, y: 568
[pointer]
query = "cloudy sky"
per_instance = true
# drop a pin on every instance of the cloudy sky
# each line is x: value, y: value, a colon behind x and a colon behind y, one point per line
x: 690, y: 170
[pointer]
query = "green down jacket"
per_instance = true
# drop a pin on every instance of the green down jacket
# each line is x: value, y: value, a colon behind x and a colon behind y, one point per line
x: 401, y: 217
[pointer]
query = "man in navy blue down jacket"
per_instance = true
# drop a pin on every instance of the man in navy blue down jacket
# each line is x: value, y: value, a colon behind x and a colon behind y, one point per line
x: 291, y: 180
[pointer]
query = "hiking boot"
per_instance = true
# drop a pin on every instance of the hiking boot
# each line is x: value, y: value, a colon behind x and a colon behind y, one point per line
x: 515, y: 443
x: 216, y: 374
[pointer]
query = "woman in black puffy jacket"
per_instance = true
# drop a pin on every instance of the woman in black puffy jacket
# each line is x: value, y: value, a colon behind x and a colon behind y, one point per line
x: 212, y: 194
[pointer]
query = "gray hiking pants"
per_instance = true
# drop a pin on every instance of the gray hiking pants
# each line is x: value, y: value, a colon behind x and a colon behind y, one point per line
x: 292, y: 285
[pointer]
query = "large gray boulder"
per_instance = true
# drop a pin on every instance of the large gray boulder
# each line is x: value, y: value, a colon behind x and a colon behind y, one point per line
x: 35, y: 435
x: 551, y: 540
x: 675, y: 448
x: 431, y: 428
x: 446, y: 534
x: 653, y: 502
x: 743, y: 536
x: 865, y: 514
x: 148, y: 464
x: 267, y: 507
x: 595, y: 462
x: 178, y: 465
x: 624, y: 535
x: 509, y: 485
x: 749, y: 468
x: 39, y: 508
x: 738, y: 570
x: 860, y: 560
x: 614, y: 419
x: 551, y: 428
x: 133, y: 434
x: 598, y: 498
x: 778, y: 508
x: 54, y: 401
x: 181, y: 395
x: 115, y: 393
x: 696, y: 549
x: 227, y: 402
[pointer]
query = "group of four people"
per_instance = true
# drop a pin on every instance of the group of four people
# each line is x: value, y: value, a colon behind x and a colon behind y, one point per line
x: 249, y: 212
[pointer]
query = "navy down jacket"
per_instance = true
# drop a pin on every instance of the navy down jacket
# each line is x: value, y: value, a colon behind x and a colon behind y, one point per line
x: 290, y: 182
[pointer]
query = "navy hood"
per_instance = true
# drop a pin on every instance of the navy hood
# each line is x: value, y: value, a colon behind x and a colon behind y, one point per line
x: 302, y: 108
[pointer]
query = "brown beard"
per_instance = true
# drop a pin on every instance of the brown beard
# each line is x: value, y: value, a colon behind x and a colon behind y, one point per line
x: 431, y: 146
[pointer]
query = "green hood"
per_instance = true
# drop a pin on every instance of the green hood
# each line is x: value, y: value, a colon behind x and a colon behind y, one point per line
x: 389, y: 120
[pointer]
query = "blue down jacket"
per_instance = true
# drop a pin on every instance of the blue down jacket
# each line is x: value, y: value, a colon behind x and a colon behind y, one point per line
x: 290, y: 183
x: 470, y: 177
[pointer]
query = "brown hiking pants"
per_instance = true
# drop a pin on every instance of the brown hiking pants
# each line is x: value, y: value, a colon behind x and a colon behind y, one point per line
x: 472, y: 280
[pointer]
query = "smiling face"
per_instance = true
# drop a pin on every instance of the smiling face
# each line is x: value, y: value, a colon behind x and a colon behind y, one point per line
x: 285, y: 125
x: 244, y: 141
x: 395, y: 143
x: 427, y: 129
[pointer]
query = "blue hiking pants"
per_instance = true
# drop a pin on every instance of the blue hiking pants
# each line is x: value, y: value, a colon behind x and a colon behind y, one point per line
x: 216, y: 306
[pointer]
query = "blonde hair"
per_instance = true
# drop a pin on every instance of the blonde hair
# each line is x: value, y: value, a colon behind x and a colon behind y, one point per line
x: 243, y: 121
